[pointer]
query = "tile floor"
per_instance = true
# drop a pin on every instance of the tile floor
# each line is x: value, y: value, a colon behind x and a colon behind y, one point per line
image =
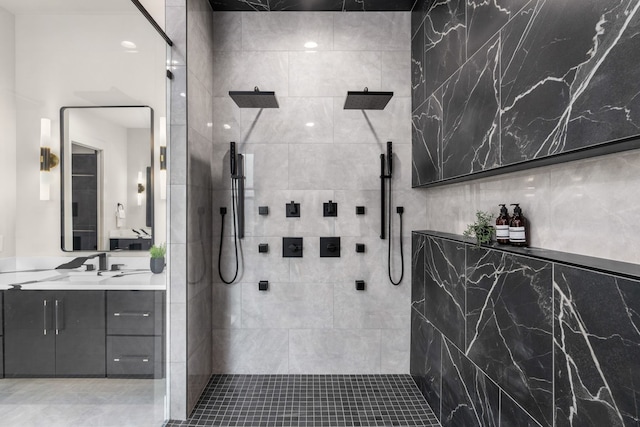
x: 310, y: 400
x: 86, y: 402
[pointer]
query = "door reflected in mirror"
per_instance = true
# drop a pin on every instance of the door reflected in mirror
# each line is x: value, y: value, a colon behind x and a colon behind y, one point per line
x: 107, y: 178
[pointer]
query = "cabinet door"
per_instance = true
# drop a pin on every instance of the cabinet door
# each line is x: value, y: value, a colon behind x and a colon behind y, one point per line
x: 80, y: 333
x: 29, y: 336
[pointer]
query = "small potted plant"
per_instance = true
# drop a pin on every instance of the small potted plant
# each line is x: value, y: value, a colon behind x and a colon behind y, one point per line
x: 482, y: 229
x: 157, y: 258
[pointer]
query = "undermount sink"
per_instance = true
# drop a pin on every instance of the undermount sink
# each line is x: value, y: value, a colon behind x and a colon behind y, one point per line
x: 82, y: 278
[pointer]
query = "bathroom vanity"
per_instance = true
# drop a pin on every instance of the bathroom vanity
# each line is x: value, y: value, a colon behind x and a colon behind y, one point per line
x: 81, y: 324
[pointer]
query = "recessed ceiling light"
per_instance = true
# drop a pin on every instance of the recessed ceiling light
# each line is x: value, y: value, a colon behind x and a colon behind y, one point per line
x: 128, y: 45
x: 182, y: 94
x: 310, y: 124
x: 226, y: 126
x: 311, y: 45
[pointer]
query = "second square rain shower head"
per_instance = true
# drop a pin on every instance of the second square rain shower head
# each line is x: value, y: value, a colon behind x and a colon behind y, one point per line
x: 366, y: 100
x: 254, y: 99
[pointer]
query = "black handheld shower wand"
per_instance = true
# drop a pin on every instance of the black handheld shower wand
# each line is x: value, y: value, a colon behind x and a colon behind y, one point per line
x: 237, y: 206
x: 384, y: 175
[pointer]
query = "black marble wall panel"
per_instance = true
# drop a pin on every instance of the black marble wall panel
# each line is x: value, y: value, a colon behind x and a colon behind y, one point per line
x: 444, y: 287
x: 485, y: 18
x: 509, y: 325
x: 469, y: 398
x: 471, y: 111
x: 426, y: 359
x: 426, y: 141
x: 559, y: 343
x: 512, y: 415
x: 417, y: 267
x: 418, y: 84
x: 597, y: 349
x: 445, y: 34
x: 567, y: 80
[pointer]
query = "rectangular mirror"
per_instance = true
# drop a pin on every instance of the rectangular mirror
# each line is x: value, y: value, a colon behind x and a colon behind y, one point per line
x: 106, y: 167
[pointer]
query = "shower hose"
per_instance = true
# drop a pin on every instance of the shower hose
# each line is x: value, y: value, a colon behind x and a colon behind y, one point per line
x: 223, y: 211
x: 400, y: 211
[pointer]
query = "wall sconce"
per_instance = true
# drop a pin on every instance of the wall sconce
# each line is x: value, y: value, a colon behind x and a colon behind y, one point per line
x: 48, y: 160
x: 140, y: 188
x: 163, y: 158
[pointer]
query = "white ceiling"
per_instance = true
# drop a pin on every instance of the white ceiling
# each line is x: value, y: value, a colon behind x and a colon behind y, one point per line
x: 44, y: 7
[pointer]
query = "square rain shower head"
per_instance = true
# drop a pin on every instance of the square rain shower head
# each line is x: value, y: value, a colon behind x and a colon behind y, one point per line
x: 254, y: 99
x: 367, y: 100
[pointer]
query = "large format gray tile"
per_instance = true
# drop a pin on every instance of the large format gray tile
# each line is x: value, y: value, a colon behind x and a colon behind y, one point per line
x: 227, y: 31
x: 373, y: 126
x: 334, y: 351
x: 333, y: 73
x: 269, y: 71
x: 395, y: 350
x: 287, y: 305
x: 335, y: 166
x: 287, y: 31
x: 298, y: 120
x: 380, y: 306
x: 250, y: 351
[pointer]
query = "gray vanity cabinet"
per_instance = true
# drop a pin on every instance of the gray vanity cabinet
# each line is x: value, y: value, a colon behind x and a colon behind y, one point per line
x: 54, y: 333
x: 135, y: 331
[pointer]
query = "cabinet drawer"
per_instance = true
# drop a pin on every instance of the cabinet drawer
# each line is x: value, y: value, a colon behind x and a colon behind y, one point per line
x: 135, y: 357
x: 135, y: 312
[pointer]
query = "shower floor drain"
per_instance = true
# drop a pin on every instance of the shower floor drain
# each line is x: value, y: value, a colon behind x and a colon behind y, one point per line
x: 311, y: 400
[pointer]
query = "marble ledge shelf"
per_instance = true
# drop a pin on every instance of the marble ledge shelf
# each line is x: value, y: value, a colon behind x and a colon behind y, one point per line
x: 603, y: 265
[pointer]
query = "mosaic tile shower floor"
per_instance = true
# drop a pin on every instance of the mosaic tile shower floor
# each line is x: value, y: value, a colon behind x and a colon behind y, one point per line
x: 310, y: 401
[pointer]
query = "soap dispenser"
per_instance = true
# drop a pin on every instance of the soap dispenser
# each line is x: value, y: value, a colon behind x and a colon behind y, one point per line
x: 518, y: 227
x: 502, y: 226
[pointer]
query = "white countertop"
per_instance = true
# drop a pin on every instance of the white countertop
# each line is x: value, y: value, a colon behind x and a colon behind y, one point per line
x: 83, y: 280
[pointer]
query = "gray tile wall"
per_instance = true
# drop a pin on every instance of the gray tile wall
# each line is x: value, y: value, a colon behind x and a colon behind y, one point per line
x: 312, y: 320
x: 189, y: 24
x: 199, y: 210
x: 177, y: 213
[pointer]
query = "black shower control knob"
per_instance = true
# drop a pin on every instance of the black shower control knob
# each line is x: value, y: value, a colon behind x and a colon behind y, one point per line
x: 331, y: 247
x: 293, y: 248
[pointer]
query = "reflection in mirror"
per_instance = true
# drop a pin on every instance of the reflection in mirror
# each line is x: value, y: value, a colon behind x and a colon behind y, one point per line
x: 107, y: 178
x: 78, y: 346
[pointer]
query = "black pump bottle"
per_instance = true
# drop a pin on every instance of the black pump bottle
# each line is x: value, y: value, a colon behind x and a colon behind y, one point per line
x: 518, y: 228
x: 502, y: 226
